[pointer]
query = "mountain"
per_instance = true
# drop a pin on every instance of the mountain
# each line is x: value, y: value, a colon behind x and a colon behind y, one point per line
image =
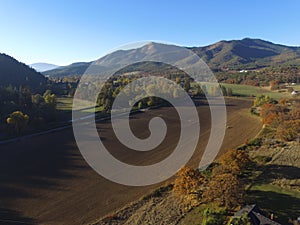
x: 233, y: 55
x: 41, y: 67
x: 75, y: 69
x: 15, y: 73
x: 247, y: 54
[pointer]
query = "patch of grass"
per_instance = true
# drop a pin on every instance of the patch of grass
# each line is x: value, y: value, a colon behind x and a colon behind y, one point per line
x: 267, y: 132
x: 256, y: 142
x: 263, y: 159
x: 66, y: 104
x: 195, y: 216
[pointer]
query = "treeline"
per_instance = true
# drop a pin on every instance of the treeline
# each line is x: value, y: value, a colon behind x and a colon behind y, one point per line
x: 262, y: 77
x: 18, y: 104
x: 116, y: 84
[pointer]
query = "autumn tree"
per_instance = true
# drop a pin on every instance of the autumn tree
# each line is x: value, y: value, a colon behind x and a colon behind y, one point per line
x: 225, y: 190
x: 18, y: 121
x: 263, y: 99
x: 272, y: 114
x: 233, y: 161
x: 51, y: 100
x: 274, y: 84
x: 289, y: 130
x: 187, y: 181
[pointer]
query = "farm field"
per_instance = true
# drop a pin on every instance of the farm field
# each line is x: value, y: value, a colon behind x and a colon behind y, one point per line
x: 45, y: 179
x: 247, y: 90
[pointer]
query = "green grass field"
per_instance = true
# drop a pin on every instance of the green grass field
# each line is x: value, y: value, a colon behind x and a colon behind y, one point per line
x: 247, y: 90
x: 66, y: 104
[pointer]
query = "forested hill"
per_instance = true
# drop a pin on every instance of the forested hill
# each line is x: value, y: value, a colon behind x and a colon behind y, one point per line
x: 16, y: 74
x: 247, y: 54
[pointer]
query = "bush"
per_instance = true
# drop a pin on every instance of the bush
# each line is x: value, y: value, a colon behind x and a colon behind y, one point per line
x: 255, y: 142
x: 214, y: 216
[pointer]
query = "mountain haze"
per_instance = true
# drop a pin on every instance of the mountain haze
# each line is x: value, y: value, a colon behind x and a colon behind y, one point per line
x: 41, y: 67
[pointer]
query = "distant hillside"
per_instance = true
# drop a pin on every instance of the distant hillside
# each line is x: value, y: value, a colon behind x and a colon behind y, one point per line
x: 15, y: 73
x: 41, y: 67
x: 76, y: 69
x: 247, y: 54
x: 224, y: 55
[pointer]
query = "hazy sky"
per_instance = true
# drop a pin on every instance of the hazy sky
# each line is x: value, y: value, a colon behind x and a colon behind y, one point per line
x: 62, y: 32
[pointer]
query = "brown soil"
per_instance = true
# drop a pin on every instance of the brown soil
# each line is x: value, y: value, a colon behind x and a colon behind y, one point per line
x: 45, y: 180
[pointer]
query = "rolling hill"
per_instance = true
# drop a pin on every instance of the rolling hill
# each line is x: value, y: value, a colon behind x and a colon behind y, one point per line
x: 41, y: 67
x: 75, y: 69
x: 15, y: 73
x: 224, y: 55
x: 247, y: 54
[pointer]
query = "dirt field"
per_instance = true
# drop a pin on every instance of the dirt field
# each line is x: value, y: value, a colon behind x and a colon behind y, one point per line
x: 44, y: 180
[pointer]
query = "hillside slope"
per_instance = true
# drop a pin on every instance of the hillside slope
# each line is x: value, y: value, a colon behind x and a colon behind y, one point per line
x: 15, y: 73
x: 75, y: 69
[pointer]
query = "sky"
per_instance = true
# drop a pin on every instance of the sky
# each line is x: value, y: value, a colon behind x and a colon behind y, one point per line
x: 67, y: 31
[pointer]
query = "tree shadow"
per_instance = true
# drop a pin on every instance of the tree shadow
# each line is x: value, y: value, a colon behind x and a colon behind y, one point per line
x: 283, y: 206
x: 272, y: 172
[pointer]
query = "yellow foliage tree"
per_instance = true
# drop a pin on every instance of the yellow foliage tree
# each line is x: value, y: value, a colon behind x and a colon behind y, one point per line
x: 18, y: 120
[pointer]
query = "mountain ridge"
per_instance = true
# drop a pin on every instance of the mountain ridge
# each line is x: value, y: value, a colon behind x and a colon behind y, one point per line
x: 248, y: 53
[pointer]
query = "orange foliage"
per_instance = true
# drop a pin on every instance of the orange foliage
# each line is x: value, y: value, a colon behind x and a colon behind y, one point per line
x: 224, y: 190
x: 289, y: 130
x: 188, y: 180
x: 234, y: 160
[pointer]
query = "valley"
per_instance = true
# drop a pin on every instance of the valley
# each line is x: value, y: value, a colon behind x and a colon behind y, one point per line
x: 45, y: 180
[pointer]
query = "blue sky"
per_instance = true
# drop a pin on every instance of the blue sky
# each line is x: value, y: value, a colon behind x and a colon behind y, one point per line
x: 62, y: 32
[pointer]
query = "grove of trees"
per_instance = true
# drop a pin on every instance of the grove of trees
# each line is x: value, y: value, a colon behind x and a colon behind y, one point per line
x: 282, y: 116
